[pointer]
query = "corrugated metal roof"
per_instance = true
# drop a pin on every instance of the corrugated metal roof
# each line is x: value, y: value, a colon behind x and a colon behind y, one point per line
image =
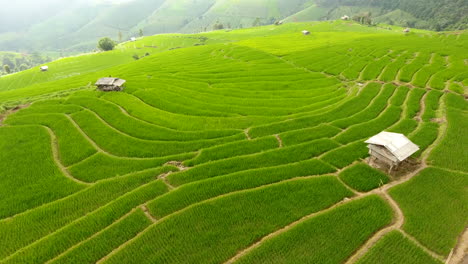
x: 398, y: 144
x: 110, y: 81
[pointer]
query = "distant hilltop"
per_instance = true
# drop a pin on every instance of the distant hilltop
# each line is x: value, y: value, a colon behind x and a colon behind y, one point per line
x: 76, y: 25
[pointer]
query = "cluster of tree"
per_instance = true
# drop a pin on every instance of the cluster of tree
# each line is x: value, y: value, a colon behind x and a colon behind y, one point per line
x: 439, y: 14
x: 106, y: 44
x: 363, y: 18
x: 11, y: 63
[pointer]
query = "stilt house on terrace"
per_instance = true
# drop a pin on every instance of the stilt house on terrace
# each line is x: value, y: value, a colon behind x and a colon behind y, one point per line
x: 390, y: 149
x: 110, y: 84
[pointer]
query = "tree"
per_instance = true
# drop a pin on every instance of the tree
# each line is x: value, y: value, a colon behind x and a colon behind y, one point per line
x: 141, y: 33
x: 256, y: 22
x: 106, y: 44
x: 218, y: 26
x: 23, y: 67
x: 6, y: 69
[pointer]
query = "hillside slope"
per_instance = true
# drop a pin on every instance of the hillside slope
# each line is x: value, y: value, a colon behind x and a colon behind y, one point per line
x: 79, y: 25
x: 425, y: 14
x: 239, y: 147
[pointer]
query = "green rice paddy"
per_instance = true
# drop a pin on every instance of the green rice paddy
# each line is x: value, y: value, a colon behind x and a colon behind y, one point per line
x: 246, y: 149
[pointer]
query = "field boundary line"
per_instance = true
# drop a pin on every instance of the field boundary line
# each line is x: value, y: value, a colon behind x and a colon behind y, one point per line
x: 288, y: 227
x: 99, y: 149
x: 56, y: 158
x: 458, y: 253
x: 371, y: 103
x: 246, y: 132
x: 91, y: 237
x: 73, y: 221
x: 147, y: 213
x: 280, y: 141
x: 423, y: 247
x: 442, y: 130
x: 105, y: 123
x: 173, y: 214
x: 163, y: 178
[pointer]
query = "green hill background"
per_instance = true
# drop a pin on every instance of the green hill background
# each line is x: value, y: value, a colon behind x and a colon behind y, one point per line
x: 77, y: 25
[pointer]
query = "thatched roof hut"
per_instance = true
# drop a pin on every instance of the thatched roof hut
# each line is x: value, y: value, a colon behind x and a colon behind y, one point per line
x: 407, y: 30
x: 305, y: 32
x: 44, y: 68
x: 345, y: 17
x: 110, y: 84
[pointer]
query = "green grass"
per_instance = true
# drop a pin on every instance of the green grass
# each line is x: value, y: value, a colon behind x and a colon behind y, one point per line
x: 97, y: 247
x: 315, y: 240
x: 37, y: 223
x: 395, y: 248
x: 346, y: 155
x: 83, y: 228
x: 20, y: 191
x: 363, y: 178
x: 451, y: 152
x: 223, y: 109
x: 231, y: 223
x: 266, y: 159
x: 192, y: 193
x: 435, y: 207
x: 234, y: 149
x: 73, y: 147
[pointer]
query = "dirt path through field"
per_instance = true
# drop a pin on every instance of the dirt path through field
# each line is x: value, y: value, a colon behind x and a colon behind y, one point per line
x: 422, y: 108
x: 57, y: 160
x: 280, y: 141
x: 163, y: 177
x: 459, y: 254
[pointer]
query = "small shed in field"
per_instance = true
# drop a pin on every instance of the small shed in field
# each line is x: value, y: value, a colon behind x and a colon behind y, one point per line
x: 345, y: 17
x: 132, y: 39
x: 44, y: 68
x: 110, y: 84
x: 305, y: 32
x: 390, y: 149
x: 407, y: 30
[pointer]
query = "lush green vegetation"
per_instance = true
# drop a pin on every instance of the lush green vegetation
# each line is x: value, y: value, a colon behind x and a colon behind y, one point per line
x: 228, y: 224
x: 315, y: 240
x: 222, y: 138
x: 395, y: 248
x: 435, y: 207
x: 363, y: 178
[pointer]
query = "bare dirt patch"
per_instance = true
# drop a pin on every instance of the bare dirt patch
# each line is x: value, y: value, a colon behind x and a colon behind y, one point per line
x: 178, y: 164
x: 439, y: 120
x: 4, y: 115
x: 407, y: 167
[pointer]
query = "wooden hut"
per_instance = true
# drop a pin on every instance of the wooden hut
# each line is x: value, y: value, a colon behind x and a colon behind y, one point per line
x: 390, y: 149
x: 44, y: 68
x: 305, y: 32
x: 110, y: 84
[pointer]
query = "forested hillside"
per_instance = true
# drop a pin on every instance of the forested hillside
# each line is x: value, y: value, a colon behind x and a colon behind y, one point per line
x: 429, y: 14
x: 78, y: 24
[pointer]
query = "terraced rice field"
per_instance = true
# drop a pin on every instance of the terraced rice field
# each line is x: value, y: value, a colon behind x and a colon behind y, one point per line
x: 245, y: 148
